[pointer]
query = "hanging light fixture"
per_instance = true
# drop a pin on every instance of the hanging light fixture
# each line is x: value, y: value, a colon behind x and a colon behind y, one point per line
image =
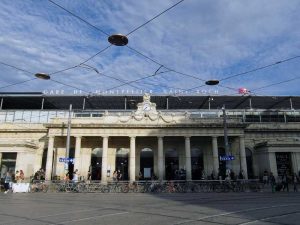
x: 42, y: 76
x: 212, y: 82
x: 118, y: 39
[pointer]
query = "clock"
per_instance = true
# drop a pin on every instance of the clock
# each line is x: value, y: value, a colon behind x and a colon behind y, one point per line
x: 146, y: 107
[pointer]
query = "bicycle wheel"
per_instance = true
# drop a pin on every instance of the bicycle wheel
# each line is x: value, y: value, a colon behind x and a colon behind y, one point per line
x: 125, y: 188
x: 45, y: 188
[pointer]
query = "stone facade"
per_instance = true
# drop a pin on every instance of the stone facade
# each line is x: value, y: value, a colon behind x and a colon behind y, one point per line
x: 174, y: 134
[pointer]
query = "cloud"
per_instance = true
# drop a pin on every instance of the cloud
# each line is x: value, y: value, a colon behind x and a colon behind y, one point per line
x: 207, y: 39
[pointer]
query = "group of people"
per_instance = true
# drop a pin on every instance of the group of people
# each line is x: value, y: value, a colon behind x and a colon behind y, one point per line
x: 10, y: 177
x: 283, y: 181
x: 39, y: 175
x: 117, y: 175
x: 74, y: 177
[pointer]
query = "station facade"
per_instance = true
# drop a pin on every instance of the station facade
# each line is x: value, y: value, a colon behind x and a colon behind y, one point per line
x: 150, y: 138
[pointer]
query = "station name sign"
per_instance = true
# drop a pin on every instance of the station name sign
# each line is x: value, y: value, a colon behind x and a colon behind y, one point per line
x: 131, y: 92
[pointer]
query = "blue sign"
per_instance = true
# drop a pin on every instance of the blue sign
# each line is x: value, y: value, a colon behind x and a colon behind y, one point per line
x: 67, y: 160
x: 226, y: 158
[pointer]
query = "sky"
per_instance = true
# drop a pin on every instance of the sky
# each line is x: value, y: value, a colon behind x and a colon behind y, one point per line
x: 195, y: 41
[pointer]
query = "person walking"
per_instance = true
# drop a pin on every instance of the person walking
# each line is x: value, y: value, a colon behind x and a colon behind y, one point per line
x: 295, y: 181
x: 22, y: 176
x: 285, y: 182
x: 273, y: 182
x: 7, y: 182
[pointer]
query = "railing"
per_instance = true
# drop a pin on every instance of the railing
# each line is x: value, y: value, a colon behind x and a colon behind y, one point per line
x: 148, y: 186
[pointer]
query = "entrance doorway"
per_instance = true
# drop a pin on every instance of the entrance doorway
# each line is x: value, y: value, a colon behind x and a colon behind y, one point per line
x: 197, y: 163
x: 283, y: 161
x: 146, y: 164
x: 171, y: 164
x: 122, y: 155
x: 249, y: 160
x: 8, y: 163
x: 96, y: 164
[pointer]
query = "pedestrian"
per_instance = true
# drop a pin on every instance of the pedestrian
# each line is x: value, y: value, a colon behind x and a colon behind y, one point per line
x: 241, y: 175
x: 17, y: 176
x: 295, y: 181
x: 265, y: 177
x: 285, y: 182
x: 115, y: 176
x: 7, y: 181
x: 119, y: 175
x: 22, y: 176
x: 273, y: 182
x: 75, y: 176
x: 212, y: 175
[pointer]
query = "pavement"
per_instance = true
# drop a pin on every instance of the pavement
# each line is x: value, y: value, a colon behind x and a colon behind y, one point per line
x: 155, y: 209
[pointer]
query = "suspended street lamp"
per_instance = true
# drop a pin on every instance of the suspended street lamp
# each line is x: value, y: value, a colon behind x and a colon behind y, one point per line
x: 212, y: 82
x: 42, y: 76
x: 118, y: 39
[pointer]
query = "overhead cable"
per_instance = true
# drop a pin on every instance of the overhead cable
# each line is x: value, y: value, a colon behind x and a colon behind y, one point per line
x: 78, y: 17
x: 135, y: 29
x: 72, y: 67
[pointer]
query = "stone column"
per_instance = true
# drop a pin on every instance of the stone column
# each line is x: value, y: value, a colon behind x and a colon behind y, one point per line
x: 215, y: 154
x: 160, y: 158
x: 49, y: 158
x: 77, y: 162
x: 104, y: 159
x: 188, y: 163
x: 132, y: 160
x: 243, y: 157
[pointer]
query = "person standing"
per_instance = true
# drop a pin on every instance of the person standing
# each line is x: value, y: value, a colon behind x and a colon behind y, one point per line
x: 273, y: 182
x: 7, y: 181
x: 295, y: 181
x: 75, y: 176
x: 22, y: 176
x: 17, y: 176
x: 285, y: 182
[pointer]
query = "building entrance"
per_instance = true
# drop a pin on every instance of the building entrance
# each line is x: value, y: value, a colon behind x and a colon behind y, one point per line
x: 146, y: 164
x: 96, y: 164
x: 197, y: 163
x: 283, y: 161
x: 8, y: 163
x: 171, y: 164
x: 122, y: 155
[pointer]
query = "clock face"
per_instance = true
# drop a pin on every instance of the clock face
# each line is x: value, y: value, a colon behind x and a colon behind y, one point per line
x: 146, y: 107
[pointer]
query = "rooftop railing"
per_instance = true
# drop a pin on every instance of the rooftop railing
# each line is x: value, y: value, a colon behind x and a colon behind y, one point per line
x: 246, y: 116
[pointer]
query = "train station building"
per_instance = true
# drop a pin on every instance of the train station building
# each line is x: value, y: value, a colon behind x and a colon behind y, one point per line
x: 147, y: 136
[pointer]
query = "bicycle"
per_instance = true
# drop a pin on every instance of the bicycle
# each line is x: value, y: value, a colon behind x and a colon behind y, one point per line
x: 39, y: 187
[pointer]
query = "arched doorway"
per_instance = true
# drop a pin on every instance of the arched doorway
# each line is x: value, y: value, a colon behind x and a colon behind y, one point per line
x: 122, y: 155
x: 197, y: 163
x: 249, y: 160
x: 96, y: 164
x: 222, y: 164
x: 146, y: 163
x: 171, y: 164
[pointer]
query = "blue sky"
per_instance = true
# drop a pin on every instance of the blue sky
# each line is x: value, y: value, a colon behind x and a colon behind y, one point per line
x: 209, y: 39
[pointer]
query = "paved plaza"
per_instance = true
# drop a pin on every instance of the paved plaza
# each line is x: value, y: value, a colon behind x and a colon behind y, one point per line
x: 139, y: 209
